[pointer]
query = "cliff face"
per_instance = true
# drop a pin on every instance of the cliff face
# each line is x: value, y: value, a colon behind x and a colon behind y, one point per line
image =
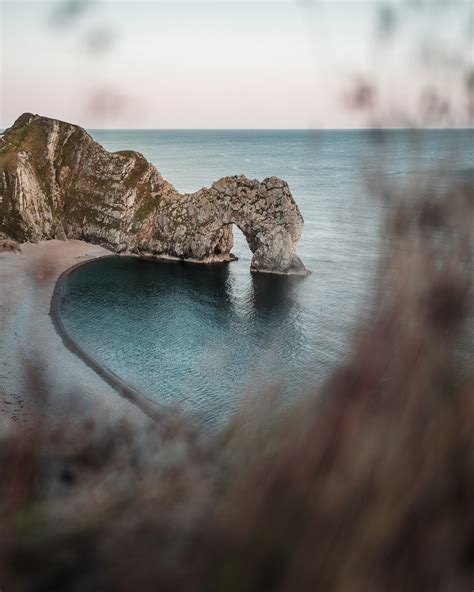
x: 57, y: 182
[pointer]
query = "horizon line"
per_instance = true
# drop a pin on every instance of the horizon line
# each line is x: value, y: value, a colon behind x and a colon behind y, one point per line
x: 271, y: 129
x: 280, y: 129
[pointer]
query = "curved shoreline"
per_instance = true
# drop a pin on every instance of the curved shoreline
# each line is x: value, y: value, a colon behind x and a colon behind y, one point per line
x: 151, y: 408
x: 39, y: 376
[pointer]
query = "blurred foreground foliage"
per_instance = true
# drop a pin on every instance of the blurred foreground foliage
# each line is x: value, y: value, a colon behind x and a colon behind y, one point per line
x: 367, y: 485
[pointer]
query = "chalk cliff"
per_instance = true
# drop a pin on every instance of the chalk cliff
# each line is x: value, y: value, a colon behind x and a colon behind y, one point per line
x: 57, y: 182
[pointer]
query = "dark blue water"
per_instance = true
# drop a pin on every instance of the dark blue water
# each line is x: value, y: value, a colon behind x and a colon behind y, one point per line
x: 203, y: 337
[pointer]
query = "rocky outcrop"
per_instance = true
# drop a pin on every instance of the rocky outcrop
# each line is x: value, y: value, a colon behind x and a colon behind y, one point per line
x: 57, y: 182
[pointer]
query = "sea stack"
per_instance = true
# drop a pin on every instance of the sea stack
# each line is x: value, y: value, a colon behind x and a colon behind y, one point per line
x: 57, y: 182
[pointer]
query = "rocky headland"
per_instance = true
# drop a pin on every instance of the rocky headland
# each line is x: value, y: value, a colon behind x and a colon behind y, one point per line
x: 56, y: 182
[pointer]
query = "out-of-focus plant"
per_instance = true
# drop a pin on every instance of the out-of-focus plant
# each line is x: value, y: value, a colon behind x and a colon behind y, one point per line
x: 447, y: 64
x: 366, y: 485
x: 95, y: 41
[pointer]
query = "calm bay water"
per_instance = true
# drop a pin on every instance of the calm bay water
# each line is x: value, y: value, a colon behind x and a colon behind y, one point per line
x: 203, y: 337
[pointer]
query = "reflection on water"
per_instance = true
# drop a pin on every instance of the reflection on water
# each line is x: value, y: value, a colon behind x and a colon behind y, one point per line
x: 201, y: 336
x: 196, y: 336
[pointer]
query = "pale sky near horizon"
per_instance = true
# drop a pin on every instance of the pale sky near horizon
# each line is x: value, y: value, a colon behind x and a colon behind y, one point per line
x: 220, y: 64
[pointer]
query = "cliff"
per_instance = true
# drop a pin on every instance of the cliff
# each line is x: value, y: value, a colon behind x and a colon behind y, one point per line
x: 57, y: 182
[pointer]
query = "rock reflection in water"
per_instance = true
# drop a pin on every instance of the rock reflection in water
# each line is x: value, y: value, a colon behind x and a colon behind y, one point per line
x: 195, y: 336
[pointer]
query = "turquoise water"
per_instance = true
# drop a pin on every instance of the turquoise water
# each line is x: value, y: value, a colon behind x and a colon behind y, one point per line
x: 206, y: 338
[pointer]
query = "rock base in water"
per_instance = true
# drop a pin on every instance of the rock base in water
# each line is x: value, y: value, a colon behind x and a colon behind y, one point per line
x: 57, y: 182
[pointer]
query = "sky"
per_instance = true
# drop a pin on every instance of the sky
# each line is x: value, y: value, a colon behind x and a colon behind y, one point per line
x: 224, y: 64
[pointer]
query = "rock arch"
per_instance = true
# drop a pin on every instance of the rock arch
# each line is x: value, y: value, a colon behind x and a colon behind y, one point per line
x: 264, y: 211
x: 57, y: 182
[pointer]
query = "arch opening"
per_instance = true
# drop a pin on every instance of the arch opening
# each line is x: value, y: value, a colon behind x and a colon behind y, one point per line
x: 241, y: 248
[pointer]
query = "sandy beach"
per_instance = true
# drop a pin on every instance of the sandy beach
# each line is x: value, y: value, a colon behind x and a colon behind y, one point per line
x: 38, y: 373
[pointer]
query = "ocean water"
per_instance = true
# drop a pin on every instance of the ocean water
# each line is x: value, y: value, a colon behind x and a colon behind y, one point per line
x: 208, y: 339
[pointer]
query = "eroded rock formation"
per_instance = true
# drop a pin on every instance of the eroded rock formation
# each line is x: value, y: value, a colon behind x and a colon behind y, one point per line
x: 57, y: 182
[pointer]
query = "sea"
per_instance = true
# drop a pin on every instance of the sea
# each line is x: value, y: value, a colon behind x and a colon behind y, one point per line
x: 213, y: 340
